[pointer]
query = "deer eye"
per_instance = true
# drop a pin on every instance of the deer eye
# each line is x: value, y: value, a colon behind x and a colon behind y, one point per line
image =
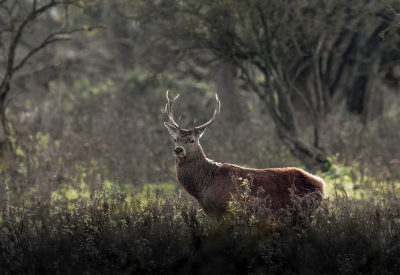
x: 191, y: 141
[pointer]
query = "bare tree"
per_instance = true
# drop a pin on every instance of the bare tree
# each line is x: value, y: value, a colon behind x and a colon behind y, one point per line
x: 25, y: 31
x: 300, y: 57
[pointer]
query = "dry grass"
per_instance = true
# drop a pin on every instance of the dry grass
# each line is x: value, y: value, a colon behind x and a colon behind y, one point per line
x: 119, y: 233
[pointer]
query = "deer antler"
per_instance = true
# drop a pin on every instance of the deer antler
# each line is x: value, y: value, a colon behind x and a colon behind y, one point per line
x: 168, y: 110
x: 216, y: 113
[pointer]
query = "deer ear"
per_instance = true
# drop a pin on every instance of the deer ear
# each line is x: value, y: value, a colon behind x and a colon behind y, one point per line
x: 172, y: 129
x: 199, y: 133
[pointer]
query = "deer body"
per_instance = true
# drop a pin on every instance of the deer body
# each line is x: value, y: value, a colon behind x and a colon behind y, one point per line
x: 210, y: 183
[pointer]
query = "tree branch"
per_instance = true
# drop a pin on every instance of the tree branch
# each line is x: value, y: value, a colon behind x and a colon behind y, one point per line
x: 382, y: 34
x: 4, y: 86
x: 54, y: 37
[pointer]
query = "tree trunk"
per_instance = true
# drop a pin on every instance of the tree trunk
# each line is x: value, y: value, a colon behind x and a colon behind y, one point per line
x: 228, y: 91
x: 5, y: 146
x: 312, y: 157
x: 277, y: 100
x: 370, y: 93
x: 121, y: 36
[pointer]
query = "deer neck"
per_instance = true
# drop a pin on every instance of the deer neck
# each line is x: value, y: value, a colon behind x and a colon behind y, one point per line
x: 192, y: 173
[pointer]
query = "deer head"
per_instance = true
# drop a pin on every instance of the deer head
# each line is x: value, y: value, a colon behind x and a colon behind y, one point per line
x: 186, y: 141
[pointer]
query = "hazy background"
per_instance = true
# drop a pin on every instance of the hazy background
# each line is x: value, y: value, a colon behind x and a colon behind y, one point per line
x: 90, y: 165
x: 302, y: 83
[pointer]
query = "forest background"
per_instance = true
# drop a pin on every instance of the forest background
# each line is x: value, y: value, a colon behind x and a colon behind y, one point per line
x: 311, y: 84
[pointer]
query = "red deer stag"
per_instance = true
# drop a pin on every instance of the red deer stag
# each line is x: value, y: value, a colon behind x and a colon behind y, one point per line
x: 211, y: 183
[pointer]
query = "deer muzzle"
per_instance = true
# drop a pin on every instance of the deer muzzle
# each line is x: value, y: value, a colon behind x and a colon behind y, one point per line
x: 179, y: 152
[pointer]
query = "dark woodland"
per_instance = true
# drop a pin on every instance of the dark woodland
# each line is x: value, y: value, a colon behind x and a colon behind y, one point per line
x: 87, y: 173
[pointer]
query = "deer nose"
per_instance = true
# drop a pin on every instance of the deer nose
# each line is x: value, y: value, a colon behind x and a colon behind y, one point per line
x: 178, y: 150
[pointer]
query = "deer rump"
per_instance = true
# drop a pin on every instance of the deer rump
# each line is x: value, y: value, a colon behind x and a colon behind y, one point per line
x: 276, y: 182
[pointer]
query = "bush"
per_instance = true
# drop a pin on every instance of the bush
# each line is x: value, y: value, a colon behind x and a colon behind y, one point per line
x: 119, y: 233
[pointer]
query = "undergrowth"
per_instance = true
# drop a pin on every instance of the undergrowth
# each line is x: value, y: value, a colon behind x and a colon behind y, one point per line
x: 118, y: 233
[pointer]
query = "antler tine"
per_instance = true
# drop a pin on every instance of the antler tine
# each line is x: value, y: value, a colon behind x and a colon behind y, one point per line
x: 216, y: 113
x: 168, y: 110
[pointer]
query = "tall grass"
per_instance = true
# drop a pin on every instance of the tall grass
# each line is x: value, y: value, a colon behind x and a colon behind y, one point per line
x: 120, y: 233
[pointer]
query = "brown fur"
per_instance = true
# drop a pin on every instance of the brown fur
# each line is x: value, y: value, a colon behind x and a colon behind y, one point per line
x: 211, y: 184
